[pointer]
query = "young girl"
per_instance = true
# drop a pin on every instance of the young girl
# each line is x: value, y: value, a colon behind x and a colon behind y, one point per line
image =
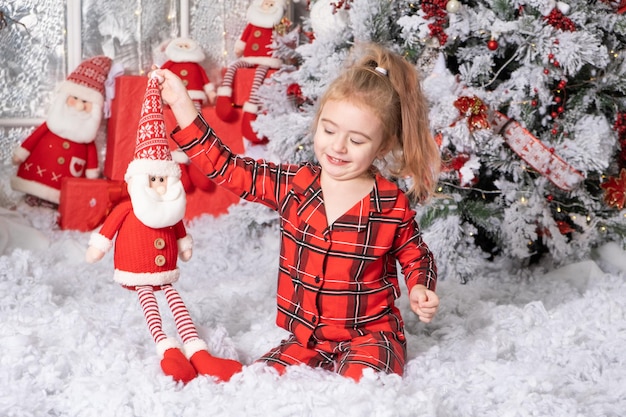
x: 343, y: 225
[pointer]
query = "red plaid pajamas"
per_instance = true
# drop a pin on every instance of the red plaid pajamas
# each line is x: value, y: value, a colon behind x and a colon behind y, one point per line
x: 336, y: 284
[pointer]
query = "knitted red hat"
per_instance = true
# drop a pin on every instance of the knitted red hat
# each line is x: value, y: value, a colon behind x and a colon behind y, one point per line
x: 87, y: 80
x: 152, y: 152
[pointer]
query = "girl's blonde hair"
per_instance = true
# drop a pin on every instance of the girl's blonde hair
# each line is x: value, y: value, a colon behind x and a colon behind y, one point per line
x: 389, y: 86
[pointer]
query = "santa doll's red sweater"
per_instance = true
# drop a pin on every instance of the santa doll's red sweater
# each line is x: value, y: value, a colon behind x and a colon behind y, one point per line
x: 143, y: 255
x: 51, y: 158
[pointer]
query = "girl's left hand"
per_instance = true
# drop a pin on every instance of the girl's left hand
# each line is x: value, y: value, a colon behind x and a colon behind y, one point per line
x: 424, y: 302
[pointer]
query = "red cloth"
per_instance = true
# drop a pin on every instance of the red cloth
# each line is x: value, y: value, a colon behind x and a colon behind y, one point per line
x: 336, y: 282
x: 143, y: 255
x: 85, y: 203
x: 51, y: 159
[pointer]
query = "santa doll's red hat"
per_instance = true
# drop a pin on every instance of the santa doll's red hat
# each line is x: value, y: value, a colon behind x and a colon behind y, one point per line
x: 87, y: 80
x: 152, y: 152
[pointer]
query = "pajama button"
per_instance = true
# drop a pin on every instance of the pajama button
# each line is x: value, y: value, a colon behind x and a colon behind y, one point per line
x: 159, y: 243
x: 159, y: 260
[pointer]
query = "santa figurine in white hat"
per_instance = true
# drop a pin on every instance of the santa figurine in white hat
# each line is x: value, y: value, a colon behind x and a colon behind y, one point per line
x: 150, y: 237
x: 64, y: 145
x: 184, y: 58
x: 254, y: 50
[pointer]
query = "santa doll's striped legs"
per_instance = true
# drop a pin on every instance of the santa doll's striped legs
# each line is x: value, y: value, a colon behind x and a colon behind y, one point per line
x: 224, y: 106
x: 251, y: 107
x: 195, y: 348
x: 173, y: 361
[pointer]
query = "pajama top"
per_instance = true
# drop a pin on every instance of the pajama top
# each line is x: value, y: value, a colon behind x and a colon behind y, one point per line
x: 334, y: 282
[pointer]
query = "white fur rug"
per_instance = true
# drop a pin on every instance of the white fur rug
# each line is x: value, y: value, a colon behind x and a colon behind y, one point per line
x: 73, y: 343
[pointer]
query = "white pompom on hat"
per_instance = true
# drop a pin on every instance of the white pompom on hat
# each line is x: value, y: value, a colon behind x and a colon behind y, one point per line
x: 87, y: 81
x: 152, y: 151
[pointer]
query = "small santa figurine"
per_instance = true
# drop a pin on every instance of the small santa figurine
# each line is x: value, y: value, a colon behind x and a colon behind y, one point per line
x: 184, y: 59
x: 253, y: 49
x: 64, y: 145
x: 150, y: 237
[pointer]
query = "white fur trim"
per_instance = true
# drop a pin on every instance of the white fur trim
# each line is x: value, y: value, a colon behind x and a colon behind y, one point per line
x: 146, y: 278
x: 197, y: 95
x: 92, y: 173
x: 262, y: 60
x: 239, y: 47
x: 81, y: 91
x: 179, y: 156
x: 37, y: 189
x: 21, y: 153
x: 250, y: 108
x: 160, y: 168
x: 209, y: 88
x: 166, y: 344
x: 185, y: 243
x: 194, y: 346
x: 101, y: 242
x: 224, y: 91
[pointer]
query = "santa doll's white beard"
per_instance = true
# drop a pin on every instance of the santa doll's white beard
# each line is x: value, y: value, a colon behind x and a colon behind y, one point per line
x: 156, y: 210
x: 73, y: 125
x: 264, y: 18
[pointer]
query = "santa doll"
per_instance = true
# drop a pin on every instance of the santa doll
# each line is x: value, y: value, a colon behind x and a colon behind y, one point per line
x: 184, y: 58
x: 149, y: 237
x: 254, y: 50
x: 64, y: 145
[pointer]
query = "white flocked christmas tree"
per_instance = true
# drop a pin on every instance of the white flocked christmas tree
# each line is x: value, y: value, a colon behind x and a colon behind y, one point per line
x: 527, y: 104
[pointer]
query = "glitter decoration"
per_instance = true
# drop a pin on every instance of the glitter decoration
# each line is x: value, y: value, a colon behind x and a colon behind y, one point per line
x: 128, y: 31
x: 34, y: 41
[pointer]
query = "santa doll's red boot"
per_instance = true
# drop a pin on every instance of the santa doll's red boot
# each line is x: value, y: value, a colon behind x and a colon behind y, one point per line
x: 224, y: 106
x: 207, y: 364
x: 249, y: 116
x: 174, y: 363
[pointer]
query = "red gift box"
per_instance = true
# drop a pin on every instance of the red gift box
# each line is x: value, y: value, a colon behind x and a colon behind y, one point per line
x: 122, y: 135
x: 85, y: 203
x: 123, y: 123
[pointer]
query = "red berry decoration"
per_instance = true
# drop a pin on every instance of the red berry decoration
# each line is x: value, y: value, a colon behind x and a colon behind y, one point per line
x: 492, y: 44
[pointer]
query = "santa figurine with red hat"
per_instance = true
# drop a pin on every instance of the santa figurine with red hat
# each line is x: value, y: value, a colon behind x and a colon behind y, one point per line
x: 149, y: 237
x: 254, y: 50
x: 64, y: 145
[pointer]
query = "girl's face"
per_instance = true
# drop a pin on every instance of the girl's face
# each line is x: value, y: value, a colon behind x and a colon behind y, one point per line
x: 347, y: 140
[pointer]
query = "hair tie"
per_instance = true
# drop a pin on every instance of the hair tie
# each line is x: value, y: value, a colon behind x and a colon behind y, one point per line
x: 381, y: 70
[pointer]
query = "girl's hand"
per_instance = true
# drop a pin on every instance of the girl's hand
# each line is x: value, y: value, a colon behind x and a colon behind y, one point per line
x: 424, y: 302
x: 174, y: 93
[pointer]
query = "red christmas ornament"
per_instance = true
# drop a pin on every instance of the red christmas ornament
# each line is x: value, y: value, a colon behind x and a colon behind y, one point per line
x: 475, y: 111
x: 615, y: 190
x: 560, y: 21
x: 492, y: 44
